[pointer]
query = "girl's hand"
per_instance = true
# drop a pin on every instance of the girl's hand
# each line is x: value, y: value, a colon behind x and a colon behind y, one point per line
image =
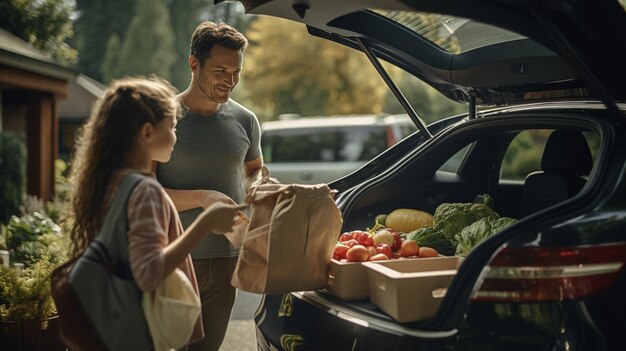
x: 221, y: 217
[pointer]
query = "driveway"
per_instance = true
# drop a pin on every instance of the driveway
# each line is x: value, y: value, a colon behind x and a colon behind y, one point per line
x: 240, y: 335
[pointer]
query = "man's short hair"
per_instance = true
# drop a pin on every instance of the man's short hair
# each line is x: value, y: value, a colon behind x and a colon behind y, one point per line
x: 207, y: 34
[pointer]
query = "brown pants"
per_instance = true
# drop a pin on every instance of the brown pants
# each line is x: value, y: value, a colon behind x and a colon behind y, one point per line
x: 218, y: 298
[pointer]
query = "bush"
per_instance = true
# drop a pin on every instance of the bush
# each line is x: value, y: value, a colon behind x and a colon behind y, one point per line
x: 13, y: 175
x: 38, y: 242
x: 32, y: 237
x: 25, y: 294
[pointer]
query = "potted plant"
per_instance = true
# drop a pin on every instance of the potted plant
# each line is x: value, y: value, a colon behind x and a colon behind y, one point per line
x: 28, y: 317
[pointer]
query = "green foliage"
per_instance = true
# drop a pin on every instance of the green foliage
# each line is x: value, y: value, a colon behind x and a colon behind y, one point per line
x: 37, y: 242
x: 111, y: 59
x: 524, y: 154
x: 13, y: 175
x: 317, y: 77
x: 184, y: 16
x: 97, y: 22
x: 451, y: 218
x: 430, y: 237
x: 33, y: 237
x: 25, y: 294
x: 147, y: 47
x: 478, y: 231
x: 45, y: 24
x: 428, y: 103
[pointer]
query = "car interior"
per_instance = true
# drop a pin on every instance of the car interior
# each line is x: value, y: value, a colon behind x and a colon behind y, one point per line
x: 566, y: 160
x: 472, y: 160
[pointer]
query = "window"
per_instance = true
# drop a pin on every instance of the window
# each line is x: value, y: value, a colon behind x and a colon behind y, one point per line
x: 453, y: 163
x: 324, y: 144
x: 523, y: 155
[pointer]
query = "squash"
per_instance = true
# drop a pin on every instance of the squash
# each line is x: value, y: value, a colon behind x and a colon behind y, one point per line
x: 406, y: 220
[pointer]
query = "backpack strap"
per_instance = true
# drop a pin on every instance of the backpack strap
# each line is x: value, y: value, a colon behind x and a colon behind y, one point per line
x: 114, y: 230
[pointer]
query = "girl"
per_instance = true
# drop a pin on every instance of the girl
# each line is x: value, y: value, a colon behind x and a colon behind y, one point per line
x: 132, y: 125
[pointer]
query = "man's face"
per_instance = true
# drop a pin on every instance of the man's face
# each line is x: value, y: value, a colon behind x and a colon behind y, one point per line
x: 220, y: 73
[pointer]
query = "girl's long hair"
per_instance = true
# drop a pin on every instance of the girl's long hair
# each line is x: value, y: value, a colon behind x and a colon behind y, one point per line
x: 104, y: 141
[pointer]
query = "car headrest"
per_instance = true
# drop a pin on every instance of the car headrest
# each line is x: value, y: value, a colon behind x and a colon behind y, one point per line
x: 567, y: 152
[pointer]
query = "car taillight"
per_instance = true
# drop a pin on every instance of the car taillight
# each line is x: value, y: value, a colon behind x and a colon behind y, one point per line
x: 535, y: 274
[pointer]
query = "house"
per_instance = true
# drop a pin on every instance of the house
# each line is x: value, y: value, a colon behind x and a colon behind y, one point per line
x: 36, y: 94
x: 73, y: 111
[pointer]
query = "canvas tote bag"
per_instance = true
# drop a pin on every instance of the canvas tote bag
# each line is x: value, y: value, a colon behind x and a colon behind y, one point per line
x: 291, y: 234
x: 172, y: 311
x: 98, y: 300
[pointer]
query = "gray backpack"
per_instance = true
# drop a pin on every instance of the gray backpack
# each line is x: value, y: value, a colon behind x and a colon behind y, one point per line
x: 98, y: 301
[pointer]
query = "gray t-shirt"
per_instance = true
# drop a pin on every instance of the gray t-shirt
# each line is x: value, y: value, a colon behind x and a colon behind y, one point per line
x: 209, y: 154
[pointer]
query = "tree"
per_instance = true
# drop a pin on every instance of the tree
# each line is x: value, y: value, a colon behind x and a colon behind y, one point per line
x: 148, y: 47
x: 45, y: 24
x: 288, y: 71
x: 96, y: 23
x: 428, y: 103
x: 111, y: 59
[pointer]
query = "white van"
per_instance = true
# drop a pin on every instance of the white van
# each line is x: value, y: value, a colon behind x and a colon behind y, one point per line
x: 322, y: 149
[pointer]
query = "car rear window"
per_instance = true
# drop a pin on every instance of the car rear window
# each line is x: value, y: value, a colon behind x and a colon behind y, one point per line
x: 338, y: 144
x: 523, y: 155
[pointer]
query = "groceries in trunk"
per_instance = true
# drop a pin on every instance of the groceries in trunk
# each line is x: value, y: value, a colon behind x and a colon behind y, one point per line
x: 453, y: 230
x: 412, y: 249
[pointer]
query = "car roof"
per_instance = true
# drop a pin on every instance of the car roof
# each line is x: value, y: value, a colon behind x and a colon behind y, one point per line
x: 337, y: 121
x: 507, y: 52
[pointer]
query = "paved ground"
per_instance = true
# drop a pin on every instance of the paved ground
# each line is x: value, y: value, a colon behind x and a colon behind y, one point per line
x: 240, y: 335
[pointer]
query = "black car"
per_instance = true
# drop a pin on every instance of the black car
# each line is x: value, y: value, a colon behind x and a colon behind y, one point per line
x: 553, y: 74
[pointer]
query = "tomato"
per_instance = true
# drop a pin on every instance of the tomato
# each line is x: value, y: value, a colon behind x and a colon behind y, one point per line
x: 367, y: 240
x: 346, y: 236
x: 349, y: 243
x: 428, y: 252
x: 409, y: 248
x: 340, y: 251
x: 357, y: 253
x: 363, y: 238
x: 397, y: 242
x: 371, y: 250
x: 379, y: 257
x: 384, y: 249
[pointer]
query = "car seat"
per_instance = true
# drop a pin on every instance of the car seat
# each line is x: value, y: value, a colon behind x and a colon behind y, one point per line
x: 566, y: 159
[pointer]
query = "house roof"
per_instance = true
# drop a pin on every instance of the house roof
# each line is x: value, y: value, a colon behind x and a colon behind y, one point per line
x: 17, y: 53
x: 83, y: 92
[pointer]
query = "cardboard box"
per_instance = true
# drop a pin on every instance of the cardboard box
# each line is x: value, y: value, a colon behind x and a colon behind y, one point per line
x: 347, y: 280
x: 410, y: 290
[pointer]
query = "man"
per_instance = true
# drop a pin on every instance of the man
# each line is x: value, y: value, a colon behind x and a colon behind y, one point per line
x: 216, y: 157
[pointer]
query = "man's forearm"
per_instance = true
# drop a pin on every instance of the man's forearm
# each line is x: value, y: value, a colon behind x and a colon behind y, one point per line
x: 256, y: 175
x: 198, y: 198
x: 184, y: 199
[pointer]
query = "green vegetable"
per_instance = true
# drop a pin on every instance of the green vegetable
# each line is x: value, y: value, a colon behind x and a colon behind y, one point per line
x: 381, y: 218
x: 430, y: 237
x: 451, y: 218
x: 478, y: 231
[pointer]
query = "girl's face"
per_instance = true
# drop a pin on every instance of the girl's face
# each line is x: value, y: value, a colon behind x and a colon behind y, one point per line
x: 163, y: 139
